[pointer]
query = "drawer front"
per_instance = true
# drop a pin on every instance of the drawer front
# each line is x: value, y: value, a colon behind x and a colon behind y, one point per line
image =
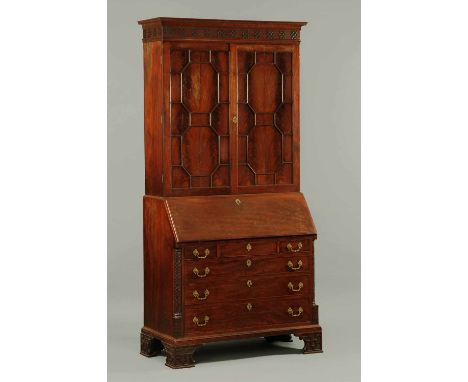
x: 245, y: 266
x: 243, y: 288
x: 200, y: 252
x: 296, y: 245
x: 257, y: 314
x: 248, y: 248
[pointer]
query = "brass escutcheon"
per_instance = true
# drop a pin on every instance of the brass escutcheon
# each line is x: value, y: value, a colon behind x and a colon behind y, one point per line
x: 238, y: 202
x: 248, y: 247
x: 249, y: 283
x: 248, y: 262
x: 249, y: 306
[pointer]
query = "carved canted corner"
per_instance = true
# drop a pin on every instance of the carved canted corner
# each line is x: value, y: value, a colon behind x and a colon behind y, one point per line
x: 178, y: 357
x: 177, y: 301
x: 149, y: 346
x: 312, y: 342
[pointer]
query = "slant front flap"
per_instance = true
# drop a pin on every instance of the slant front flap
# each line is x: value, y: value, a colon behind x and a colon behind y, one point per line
x: 222, y: 217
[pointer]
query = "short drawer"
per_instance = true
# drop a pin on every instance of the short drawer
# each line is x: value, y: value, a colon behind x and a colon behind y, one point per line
x: 200, y: 252
x: 255, y: 314
x: 295, y: 245
x: 244, y: 266
x: 248, y: 247
x: 224, y: 289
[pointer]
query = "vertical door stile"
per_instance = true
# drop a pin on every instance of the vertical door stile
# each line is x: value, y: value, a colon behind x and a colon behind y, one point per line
x: 296, y: 118
x: 233, y: 116
x: 166, y: 118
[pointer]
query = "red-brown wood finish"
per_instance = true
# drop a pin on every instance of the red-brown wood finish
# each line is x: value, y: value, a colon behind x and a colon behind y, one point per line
x: 231, y: 217
x: 228, y: 237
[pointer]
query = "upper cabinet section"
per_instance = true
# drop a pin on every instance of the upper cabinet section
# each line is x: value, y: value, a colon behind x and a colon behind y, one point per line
x: 240, y: 31
x: 221, y: 106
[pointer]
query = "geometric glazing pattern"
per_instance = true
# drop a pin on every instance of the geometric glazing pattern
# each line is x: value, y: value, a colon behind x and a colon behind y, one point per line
x: 264, y: 108
x: 199, y: 97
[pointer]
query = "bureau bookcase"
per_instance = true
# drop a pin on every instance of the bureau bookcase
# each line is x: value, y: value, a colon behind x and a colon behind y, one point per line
x: 228, y: 236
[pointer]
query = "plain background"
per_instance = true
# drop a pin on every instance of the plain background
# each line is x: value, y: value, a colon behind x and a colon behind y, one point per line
x: 53, y: 196
x: 330, y: 181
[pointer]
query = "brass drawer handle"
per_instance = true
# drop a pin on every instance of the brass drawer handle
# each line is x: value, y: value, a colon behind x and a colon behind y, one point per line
x: 249, y: 283
x: 249, y: 306
x: 299, y: 287
x: 291, y: 249
x: 196, y: 272
x: 197, y: 295
x: 196, y: 321
x: 197, y: 254
x: 248, y: 263
x: 291, y: 265
x: 299, y: 312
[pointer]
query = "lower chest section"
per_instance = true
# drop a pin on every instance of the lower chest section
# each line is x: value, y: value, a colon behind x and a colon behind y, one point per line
x: 242, y: 285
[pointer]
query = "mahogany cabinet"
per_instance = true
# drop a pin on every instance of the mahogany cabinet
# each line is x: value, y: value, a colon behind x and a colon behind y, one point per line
x: 228, y: 237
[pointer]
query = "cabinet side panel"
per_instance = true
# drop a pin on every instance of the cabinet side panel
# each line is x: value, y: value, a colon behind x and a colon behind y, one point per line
x: 152, y: 53
x: 166, y: 275
x: 158, y: 263
x: 151, y: 268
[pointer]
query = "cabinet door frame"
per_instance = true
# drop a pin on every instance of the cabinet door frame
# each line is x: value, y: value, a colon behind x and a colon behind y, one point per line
x: 295, y: 185
x: 167, y: 184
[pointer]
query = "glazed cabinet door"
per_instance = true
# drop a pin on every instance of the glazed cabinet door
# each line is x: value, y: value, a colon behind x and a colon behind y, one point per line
x: 197, y: 139
x: 266, y: 104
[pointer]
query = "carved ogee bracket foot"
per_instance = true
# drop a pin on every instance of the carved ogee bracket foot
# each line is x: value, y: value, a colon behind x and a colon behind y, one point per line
x: 149, y: 346
x: 312, y: 342
x: 178, y: 357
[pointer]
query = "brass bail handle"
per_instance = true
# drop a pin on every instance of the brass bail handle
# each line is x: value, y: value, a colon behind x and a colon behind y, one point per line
x: 197, y: 322
x: 197, y: 272
x: 299, y: 312
x: 291, y: 249
x: 197, y: 254
x: 299, y: 287
x: 292, y: 267
x: 198, y: 297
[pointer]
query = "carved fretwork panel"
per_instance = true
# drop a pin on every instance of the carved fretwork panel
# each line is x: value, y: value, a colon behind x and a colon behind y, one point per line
x: 199, y: 119
x: 265, y: 117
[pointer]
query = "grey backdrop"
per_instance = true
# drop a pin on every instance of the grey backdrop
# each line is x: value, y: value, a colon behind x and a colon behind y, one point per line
x: 330, y: 178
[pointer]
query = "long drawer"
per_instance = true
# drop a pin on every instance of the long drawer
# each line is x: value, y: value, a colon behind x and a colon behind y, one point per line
x: 245, y: 266
x: 238, y: 315
x: 222, y: 289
